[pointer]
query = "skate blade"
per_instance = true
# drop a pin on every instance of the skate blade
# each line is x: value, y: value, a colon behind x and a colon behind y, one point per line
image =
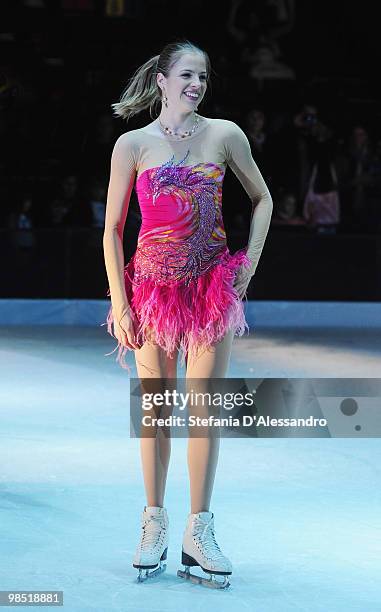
x: 142, y: 577
x: 211, y: 582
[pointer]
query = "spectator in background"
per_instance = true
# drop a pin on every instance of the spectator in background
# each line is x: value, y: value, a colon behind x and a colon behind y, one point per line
x: 294, y: 152
x: 68, y: 208
x: 285, y: 211
x: 98, y: 195
x: 321, y: 208
x: 250, y: 23
x: 259, y: 140
x: 243, y: 25
x: 256, y: 29
x: 306, y: 124
x: 265, y: 65
x: 64, y: 201
x: 360, y: 158
x: 374, y: 191
x: 359, y: 177
x: 22, y: 221
x: 255, y: 124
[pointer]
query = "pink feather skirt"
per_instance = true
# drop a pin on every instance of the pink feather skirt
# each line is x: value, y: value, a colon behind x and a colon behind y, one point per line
x: 184, y: 314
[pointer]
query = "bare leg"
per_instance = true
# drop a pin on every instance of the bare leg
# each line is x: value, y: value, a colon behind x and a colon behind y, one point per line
x: 203, y: 451
x: 154, y: 367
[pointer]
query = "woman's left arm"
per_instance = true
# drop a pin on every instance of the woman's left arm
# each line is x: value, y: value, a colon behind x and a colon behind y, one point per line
x: 239, y: 158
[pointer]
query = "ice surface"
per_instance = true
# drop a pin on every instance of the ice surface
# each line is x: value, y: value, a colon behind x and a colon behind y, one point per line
x: 299, y: 519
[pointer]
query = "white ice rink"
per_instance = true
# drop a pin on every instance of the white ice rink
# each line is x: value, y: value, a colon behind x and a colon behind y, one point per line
x: 300, y: 519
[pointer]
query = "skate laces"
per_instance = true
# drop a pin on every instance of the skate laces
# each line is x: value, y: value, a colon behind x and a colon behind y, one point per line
x: 205, y: 533
x: 151, y: 531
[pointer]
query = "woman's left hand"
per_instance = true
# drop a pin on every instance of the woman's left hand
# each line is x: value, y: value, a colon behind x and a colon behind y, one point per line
x: 241, y: 282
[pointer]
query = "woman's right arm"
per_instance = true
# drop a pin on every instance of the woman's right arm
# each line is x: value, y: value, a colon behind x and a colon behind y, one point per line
x: 122, y: 178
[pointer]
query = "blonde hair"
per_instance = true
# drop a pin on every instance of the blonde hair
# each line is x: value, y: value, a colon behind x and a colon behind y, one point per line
x: 142, y: 90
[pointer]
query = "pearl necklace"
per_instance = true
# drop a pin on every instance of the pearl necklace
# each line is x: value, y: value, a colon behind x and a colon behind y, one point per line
x: 169, y: 132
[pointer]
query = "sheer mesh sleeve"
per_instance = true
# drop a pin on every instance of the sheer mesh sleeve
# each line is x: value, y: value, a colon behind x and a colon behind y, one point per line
x: 122, y: 177
x: 239, y: 158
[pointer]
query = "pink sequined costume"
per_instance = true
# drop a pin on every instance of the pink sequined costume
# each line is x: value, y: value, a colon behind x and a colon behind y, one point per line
x: 179, y: 282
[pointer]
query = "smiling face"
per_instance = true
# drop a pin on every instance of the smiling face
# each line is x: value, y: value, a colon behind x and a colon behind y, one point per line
x: 188, y: 75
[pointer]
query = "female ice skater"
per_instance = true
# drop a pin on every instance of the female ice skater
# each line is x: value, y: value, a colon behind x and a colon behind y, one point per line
x: 182, y: 290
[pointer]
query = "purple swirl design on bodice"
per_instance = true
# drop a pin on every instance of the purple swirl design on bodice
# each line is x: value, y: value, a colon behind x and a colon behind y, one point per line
x: 182, y: 232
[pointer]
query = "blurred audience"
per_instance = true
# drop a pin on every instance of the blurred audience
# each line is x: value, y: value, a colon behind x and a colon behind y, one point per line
x: 22, y: 221
x: 260, y: 141
x: 265, y: 65
x: 294, y: 152
x: 321, y: 208
x: 321, y: 177
x: 98, y: 195
x: 285, y: 211
x: 374, y: 189
x: 69, y: 208
x: 356, y: 177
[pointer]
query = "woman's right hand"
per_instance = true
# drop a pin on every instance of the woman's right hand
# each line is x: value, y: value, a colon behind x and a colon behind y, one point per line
x: 126, y: 330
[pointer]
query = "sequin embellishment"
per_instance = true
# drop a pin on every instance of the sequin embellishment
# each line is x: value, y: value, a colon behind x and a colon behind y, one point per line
x: 182, y: 229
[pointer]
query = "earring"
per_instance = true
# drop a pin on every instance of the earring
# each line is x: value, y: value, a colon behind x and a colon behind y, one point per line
x: 165, y: 99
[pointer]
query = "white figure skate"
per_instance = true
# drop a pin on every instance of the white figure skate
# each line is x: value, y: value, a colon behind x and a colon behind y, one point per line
x: 152, y: 549
x: 200, y: 548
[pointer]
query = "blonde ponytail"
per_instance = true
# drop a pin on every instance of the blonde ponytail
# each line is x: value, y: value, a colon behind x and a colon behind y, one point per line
x: 142, y: 90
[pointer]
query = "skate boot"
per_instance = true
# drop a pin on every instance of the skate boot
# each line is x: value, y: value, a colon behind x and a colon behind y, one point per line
x: 152, y: 549
x: 200, y: 548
